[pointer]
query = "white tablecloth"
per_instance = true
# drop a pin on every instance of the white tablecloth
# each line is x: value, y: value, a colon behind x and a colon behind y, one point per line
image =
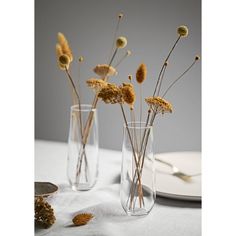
x: 167, y: 218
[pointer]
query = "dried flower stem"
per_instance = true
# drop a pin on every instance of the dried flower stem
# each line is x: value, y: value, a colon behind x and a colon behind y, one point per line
x: 83, y: 154
x: 162, y: 68
x: 122, y: 59
x: 134, y: 154
x: 176, y: 80
x: 159, y: 87
x: 115, y: 35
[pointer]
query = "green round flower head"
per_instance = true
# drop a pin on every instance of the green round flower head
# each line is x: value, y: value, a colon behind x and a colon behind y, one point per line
x: 183, y: 31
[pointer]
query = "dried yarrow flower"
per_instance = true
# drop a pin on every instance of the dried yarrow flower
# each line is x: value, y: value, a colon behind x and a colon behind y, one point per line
x: 96, y: 84
x: 82, y: 219
x: 43, y: 213
x: 141, y: 73
x: 105, y: 70
x: 128, y: 94
x: 182, y: 31
x: 158, y: 104
x: 111, y: 94
x: 121, y: 42
x: 65, y: 46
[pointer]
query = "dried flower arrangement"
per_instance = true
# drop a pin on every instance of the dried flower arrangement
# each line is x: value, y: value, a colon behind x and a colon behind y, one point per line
x: 103, y: 71
x: 125, y: 94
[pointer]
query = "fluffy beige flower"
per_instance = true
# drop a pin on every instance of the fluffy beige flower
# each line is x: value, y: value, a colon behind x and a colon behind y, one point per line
x: 105, y: 70
x: 158, y: 104
x: 96, y: 84
x: 111, y: 94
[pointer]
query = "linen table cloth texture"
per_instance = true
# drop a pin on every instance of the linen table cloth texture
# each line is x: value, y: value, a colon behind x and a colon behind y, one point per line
x: 167, y: 218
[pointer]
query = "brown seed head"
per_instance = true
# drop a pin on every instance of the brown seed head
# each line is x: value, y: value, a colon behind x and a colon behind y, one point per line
x: 105, y: 70
x: 141, y: 73
x: 128, y: 94
x: 65, y: 45
x: 82, y: 219
x: 158, y: 104
x: 111, y: 94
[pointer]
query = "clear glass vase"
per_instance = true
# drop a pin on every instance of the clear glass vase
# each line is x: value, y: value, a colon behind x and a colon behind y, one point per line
x: 82, y: 162
x: 137, y: 192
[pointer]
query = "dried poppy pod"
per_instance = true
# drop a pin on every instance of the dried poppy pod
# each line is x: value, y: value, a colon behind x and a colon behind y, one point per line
x: 82, y: 219
x: 105, y: 70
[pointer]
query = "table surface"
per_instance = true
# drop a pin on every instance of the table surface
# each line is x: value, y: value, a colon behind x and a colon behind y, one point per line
x: 167, y: 218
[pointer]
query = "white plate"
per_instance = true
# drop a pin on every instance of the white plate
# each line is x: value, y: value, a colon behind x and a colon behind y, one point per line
x: 170, y: 186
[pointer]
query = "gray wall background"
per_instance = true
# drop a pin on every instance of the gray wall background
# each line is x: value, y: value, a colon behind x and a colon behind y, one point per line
x: 150, y: 27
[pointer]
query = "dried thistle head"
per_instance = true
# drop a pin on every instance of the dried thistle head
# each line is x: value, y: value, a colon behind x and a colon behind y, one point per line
x: 141, y: 73
x: 128, y: 94
x: 158, y: 104
x: 96, y: 84
x: 182, y: 31
x: 121, y: 42
x: 105, y: 70
x: 65, y: 45
x: 111, y: 94
x: 82, y: 219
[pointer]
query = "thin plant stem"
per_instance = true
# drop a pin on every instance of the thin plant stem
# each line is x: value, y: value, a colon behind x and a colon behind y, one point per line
x: 121, y: 60
x: 176, y: 80
x: 162, y: 76
x: 159, y: 76
x: 115, y: 36
x: 140, y: 116
x: 80, y: 121
x: 113, y: 56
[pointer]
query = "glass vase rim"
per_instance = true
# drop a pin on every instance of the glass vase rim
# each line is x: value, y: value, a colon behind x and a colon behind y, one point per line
x: 82, y: 107
x: 136, y: 125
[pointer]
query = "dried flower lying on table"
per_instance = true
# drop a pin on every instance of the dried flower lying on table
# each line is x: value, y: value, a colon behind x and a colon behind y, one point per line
x: 43, y: 213
x: 82, y: 219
